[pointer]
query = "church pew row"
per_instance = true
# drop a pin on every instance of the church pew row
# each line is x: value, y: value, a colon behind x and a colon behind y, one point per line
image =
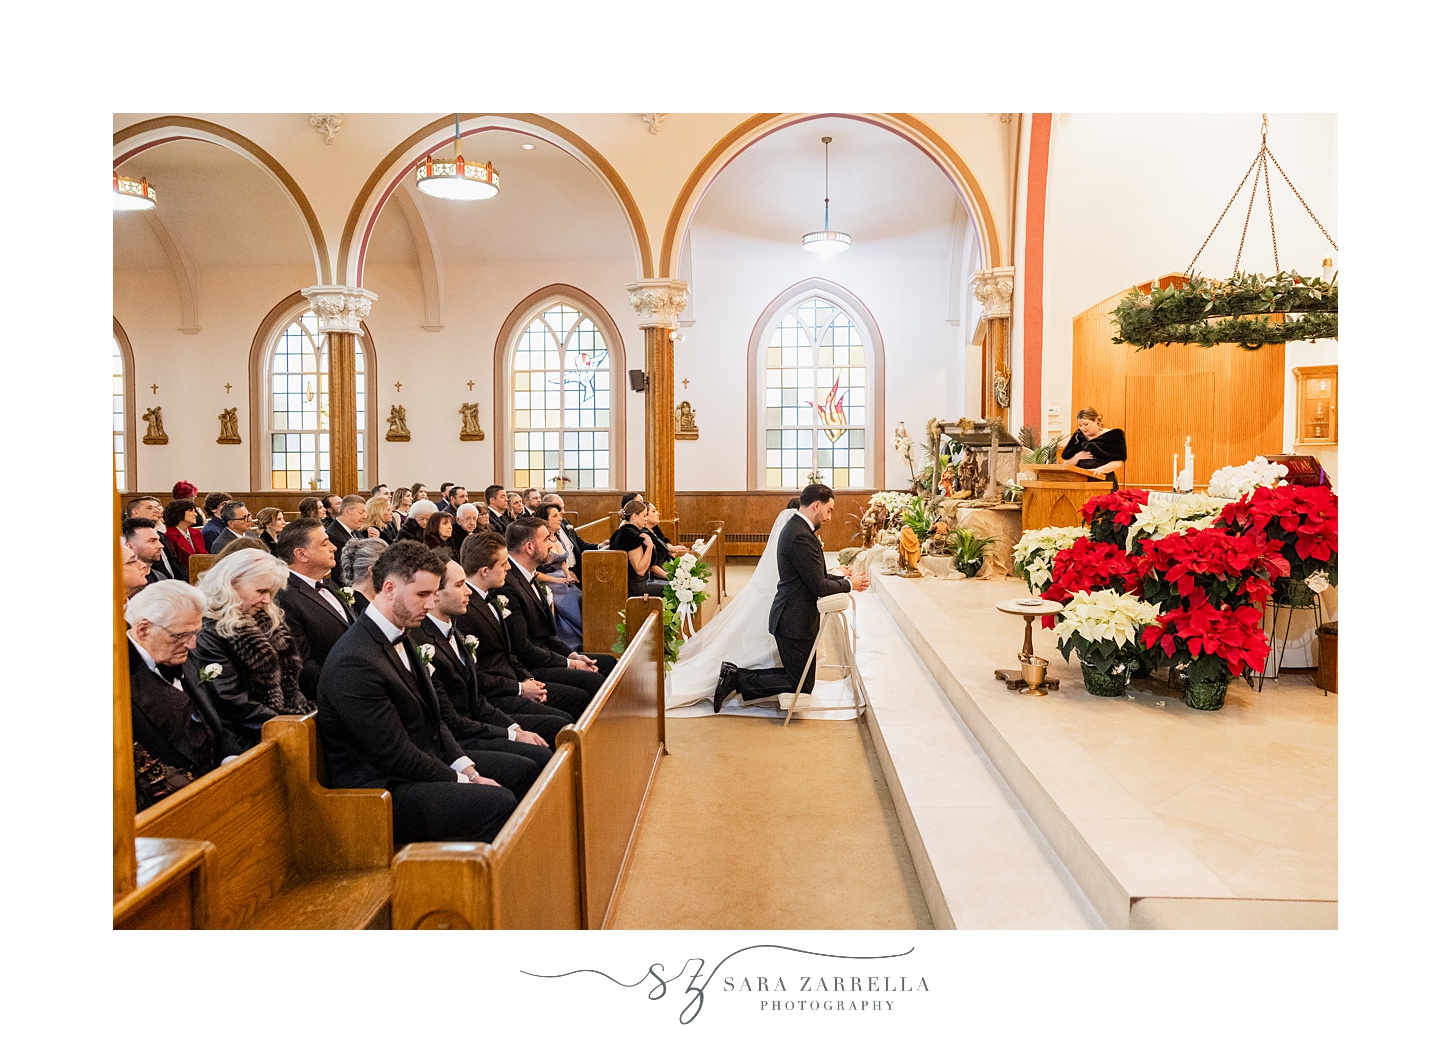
x: 559, y: 860
x: 604, y: 588
x: 259, y: 844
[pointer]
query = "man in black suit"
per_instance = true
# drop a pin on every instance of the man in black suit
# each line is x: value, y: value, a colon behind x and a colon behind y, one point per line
x: 532, y: 500
x: 134, y: 571
x: 317, y: 610
x: 506, y: 682
x: 141, y: 535
x: 143, y: 507
x: 457, y: 497
x: 378, y: 717
x: 531, y: 624
x: 496, y: 499
x: 443, y: 489
x: 350, y: 524
x: 501, y: 748
x: 236, y: 521
x: 794, y: 620
x: 173, y: 719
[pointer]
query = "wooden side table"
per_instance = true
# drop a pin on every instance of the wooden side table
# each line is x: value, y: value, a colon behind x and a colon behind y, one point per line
x: 1038, y: 608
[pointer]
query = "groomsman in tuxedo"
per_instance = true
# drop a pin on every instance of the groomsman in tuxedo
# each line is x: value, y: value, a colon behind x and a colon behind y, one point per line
x: 378, y: 717
x: 531, y: 626
x: 496, y: 742
x: 142, y: 536
x: 496, y: 499
x: 794, y: 620
x: 316, y: 609
x: 173, y: 718
x: 506, y: 682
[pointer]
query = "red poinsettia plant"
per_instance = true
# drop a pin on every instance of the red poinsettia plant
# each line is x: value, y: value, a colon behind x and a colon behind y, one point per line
x: 1209, y: 642
x: 1303, y: 520
x: 1109, y: 516
x: 1227, y: 568
x: 1087, y: 566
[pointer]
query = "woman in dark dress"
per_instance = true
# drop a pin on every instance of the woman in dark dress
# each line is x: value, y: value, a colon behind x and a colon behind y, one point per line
x: 438, y: 532
x: 1096, y: 447
x: 270, y: 523
x: 631, y: 538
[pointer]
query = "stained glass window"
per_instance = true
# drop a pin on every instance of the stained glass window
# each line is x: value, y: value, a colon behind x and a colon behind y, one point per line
x: 559, y: 387
x: 118, y: 413
x: 815, y: 392
x: 297, y: 408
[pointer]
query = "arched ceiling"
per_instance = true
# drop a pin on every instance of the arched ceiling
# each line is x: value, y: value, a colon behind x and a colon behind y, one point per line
x: 549, y: 206
x: 220, y: 209
x: 885, y: 193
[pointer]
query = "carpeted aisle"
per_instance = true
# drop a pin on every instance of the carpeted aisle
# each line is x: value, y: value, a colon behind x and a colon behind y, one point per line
x: 754, y: 826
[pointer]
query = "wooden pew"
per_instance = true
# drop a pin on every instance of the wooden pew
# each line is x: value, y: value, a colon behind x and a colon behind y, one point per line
x: 604, y: 587
x: 196, y: 565
x: 270, y: 846
x: 559, y: 859
x: 598, y: 531
x: 619, y: 741
x: 527, y: 879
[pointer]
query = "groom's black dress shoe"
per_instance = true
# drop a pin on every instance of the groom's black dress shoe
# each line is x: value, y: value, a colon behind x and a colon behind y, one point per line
x: 726, y: 685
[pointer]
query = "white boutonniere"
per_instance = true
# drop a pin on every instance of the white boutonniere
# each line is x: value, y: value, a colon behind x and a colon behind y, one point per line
x: 545, y: 592
x: 211, y: 672
x: 472, y: 644
x: 347, y: 595
x: 425, y: 652
x: 502, y: 603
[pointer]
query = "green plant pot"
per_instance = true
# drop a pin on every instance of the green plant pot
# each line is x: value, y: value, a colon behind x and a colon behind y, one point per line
x: 1205, y: 695
x: 971, y: 568
x: 1108, y: 679
x: 1293, y: 593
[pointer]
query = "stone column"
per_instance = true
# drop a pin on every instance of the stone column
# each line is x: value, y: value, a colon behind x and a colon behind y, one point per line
x: 993, y: 287
x: 658, y: 303
x: 340, y: 312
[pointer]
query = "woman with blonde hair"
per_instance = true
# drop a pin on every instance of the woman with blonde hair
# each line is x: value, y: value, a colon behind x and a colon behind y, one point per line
x: 379, y: 514
x: 402, y: 500
x: 243, y: 633
x: 1095, y: 447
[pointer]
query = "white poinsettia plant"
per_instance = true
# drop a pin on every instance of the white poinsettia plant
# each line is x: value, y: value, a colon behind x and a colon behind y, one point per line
x: 1194, y: 511
x: 1102, y: 626
x: 1033, y: 554
x: 1231, y: 483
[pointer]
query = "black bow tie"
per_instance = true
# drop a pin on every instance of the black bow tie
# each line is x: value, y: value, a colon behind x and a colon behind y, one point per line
x: 169, y: 672
x: 397, y: 641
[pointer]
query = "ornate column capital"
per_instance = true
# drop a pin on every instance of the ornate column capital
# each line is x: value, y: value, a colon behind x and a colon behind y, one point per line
x: 340, y: 309
x: 993, y: 287
x: 658, y: 302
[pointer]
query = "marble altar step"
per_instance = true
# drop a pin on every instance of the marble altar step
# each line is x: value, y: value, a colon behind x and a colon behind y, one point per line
x: 1165, y: 817
x: 980, y: 860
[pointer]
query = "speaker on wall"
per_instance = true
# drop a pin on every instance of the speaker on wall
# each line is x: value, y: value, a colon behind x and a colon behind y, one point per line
x: 638, y: 380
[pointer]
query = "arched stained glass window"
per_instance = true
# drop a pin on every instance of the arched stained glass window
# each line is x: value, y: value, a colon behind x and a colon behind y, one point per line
x: 815, y: 394
x: 560, y: 401
x: 118, y: 412
x: 298, y: 411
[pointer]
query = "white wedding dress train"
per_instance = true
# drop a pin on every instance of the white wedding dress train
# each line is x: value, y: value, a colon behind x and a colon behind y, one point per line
x: 739, y: 634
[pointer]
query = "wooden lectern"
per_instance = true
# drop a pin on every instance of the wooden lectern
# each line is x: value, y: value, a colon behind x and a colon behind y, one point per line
x: 1056, y: 493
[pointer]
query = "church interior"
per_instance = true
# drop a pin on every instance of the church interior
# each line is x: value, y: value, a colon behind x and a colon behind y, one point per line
x: 292, y: 260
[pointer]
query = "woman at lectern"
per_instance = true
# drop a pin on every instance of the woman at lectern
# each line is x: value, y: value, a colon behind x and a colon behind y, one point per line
x: 1095, y: 447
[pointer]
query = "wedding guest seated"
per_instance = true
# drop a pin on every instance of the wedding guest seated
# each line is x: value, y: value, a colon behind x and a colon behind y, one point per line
x: 378, y: 718
x: 457, y: 497
x: 402, y: 499
x: 142, y: 507
x: 141, y: 534
x: 665, y: 549
x: 358, y: 558
x: 309, y: 507
x: 418, y: 515
x: 532, y: 632
x: 213, y: 525
x: 183, y: 537
x: 465, y: 524
x: 562, y: 581
x: 236, y: 521
x: 245, y: 635
x: 177, y: 733
x: 183, y: 490
x: 505, y: 681
x: 316, y: 608
x: 573, y: 541
x: 378, y: 514
x: 270, y: 521
x: 496, y: 502
x: 515, y: 509
x: 532, y: 499
x: 639, y: 549
x: 134, y: 571
x: 500, y: 748
x: 438, y: 533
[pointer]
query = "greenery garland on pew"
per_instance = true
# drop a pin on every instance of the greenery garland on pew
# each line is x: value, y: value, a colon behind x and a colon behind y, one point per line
x: 1234, y: 311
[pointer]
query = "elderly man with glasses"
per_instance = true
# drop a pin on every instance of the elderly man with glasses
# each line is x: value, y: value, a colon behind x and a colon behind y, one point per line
x: 177, y: 735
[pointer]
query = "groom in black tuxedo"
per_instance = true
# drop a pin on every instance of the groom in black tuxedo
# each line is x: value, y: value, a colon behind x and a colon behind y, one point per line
x: 378, y: 718
x: 317, y: 610
x: 794, y: 620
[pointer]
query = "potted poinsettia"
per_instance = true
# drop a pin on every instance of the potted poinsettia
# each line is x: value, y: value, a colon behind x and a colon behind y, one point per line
x: 1109, y: 516
x: 1194, y: 511
x: 1228, y: 568
x: 1103, y: 628
x: 1088, y: 566
x: 1033, y: 554
x: 1303, y: 524
x: 1208, y: 645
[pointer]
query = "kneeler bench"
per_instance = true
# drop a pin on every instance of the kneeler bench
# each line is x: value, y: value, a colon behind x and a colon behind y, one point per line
x: 269, y: 846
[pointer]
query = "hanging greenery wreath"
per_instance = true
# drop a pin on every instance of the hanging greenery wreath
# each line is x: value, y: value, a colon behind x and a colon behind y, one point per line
x: 1246, y: 309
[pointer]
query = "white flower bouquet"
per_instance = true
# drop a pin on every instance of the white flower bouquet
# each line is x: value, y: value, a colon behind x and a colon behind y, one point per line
x: 1231, y: 483
x: 1033, y: 554
x: 1195, y: 511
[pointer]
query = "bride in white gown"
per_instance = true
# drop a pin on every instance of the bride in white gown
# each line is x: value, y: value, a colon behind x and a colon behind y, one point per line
x: 738, y: 634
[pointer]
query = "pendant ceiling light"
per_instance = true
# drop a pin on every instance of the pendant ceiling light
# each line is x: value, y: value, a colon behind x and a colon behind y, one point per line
x: 457, y: 178
x: 826, y: 241
x: 130, y: 194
